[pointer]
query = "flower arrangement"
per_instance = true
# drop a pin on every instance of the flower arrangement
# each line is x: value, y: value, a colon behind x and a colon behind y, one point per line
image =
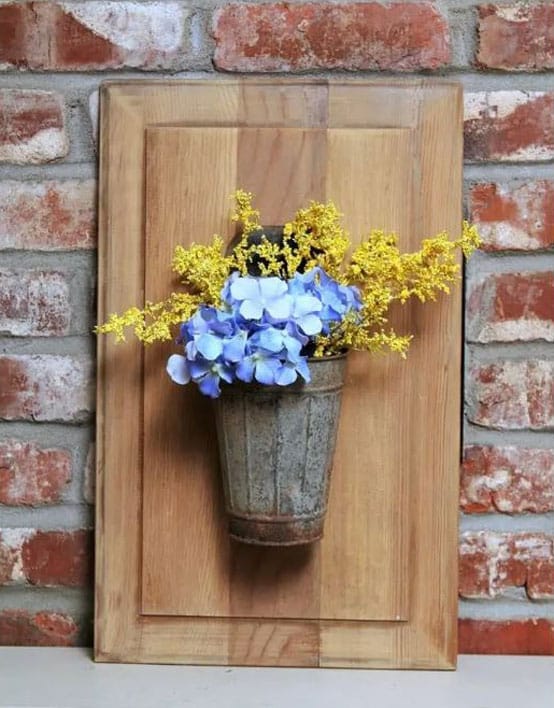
x: 259, y: 312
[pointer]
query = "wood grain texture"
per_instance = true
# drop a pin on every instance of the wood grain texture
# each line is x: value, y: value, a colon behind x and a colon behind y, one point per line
x: 367, y: 176
x: 423, y: 432
x: 184, y: 533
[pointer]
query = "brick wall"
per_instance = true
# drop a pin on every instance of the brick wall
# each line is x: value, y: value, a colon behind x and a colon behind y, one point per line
x: 53, y: 56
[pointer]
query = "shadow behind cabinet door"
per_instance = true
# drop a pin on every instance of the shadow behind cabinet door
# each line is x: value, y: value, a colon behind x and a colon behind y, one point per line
x: 380, y: 589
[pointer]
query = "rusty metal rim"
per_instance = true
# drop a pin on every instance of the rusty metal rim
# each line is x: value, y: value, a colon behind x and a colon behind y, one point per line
x: 275, y: 544
x: 277, y: 519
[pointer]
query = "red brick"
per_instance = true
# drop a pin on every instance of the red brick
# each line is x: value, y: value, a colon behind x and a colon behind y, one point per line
x: 92, y: 35
x: 510, y: 307
x: 518, y: 217
x: 48, y: 216
x: 512, y: 395
x: 22, y: 628
x: 509, y: 126
x: 492, y: 563
x: 31, y: 474
x: 58, y: 558
x: 518, y: 37
x: 283, y: 37
x: 517, y: 636
x: 32, y: 126
x: 45, y: 388
x: 34, y: 303
x: 507, y: 479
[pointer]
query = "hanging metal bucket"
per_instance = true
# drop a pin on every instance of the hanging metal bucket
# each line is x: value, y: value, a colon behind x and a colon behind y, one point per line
x: 276, y: 448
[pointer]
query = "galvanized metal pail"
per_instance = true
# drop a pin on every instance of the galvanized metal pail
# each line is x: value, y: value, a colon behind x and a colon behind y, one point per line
x: 276, y: 448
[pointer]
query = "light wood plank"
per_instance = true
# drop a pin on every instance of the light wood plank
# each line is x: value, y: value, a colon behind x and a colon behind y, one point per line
x: 428, y: 639
x: 119, y: 373
x: 284, y: 168
x: 369, y: 176
x: 190, y: 175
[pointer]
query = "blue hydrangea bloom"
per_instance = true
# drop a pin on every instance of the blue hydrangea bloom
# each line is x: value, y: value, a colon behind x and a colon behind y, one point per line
x: 273, y: 358
x: 255, y: 298
x: 336, y: 300
x: 262, y: 332
x: 207, y: 374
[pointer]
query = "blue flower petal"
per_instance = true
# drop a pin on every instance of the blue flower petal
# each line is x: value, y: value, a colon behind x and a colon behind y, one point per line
x: 293, y: 347
x: 303, y: 369
x: 285, y: 376
x: 251, y: 310
x: 305, y: 305
x: 265, y: 372
x: 270, y: 339
x: 209, y: 386
x: 271, y: 288
x: 245, y: 370
x: 233, y: 349
x: 225, y: 372
x: 178, y: 369
x: 190, y: 350
x: 279, y: 308
x: 310, y: 324
x: 209, y: 346
x: 199, y: 368
x: 245, y: 289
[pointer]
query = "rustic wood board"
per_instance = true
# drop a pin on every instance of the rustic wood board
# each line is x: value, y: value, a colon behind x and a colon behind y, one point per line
x: 380, y: 589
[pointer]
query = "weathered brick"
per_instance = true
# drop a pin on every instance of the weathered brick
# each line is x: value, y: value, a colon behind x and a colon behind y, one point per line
x: 32, y: 126
x: 517, y: 37
x: 512, y: 395
x: 509, y: 126
x: 510, y: 307
x: 46, y: 558
x: 9, y: 556
x: 58, y: 558
x: 68, y: 36
x: 507, y: 479
x: 282, y: 37
x: 89, y: 482
x: 518, y: 217
x: 23, y: 628
x: 48, y: 216
x: 31, y: 474
x: 34, y: 303
x: 492, y: 563
x: 517, y: 636
x: 45, y: 388
x: 11, y: 544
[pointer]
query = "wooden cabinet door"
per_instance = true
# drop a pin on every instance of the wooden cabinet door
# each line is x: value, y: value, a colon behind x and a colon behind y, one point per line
x: 380, y: 589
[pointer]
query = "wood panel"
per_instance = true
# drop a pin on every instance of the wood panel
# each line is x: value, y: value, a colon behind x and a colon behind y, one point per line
x: 189, y: 540
x: 122, y: 633
x: 433, y: 421
x: 190, y: 174
x: 370, y: 176
x: 338, y: 578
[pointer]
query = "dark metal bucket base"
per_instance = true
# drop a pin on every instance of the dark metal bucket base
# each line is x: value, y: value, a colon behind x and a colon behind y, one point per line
x: 263, y: 532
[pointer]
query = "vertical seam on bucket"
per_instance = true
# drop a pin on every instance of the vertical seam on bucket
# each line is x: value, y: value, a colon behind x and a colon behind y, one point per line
x: 275, y: 456
x: 223, y: 431
x: 307, y: 445
x: 248, y: 456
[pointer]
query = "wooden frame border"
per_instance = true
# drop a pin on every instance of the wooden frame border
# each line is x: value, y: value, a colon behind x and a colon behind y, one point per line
x: 428, y: 640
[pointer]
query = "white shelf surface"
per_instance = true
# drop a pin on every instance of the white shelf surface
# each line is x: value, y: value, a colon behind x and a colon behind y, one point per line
x: 68, y: 678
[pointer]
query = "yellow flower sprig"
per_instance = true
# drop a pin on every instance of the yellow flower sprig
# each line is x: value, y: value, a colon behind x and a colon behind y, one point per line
x: 314, y: 237
x: 155, y: 322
